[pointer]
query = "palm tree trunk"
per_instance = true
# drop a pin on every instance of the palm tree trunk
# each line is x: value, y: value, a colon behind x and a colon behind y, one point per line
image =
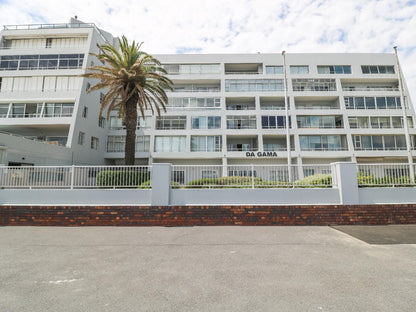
x: 131, y: 124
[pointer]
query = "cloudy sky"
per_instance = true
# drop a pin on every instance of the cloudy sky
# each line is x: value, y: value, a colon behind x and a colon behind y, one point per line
x: 242, y: 26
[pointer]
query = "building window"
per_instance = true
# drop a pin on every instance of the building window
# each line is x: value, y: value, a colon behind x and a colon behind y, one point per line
x: 380, y: 102
x: 85, y: 112
x: 241, y: 122
x: 48, y: 43
x: 314, y: 85
x: 178, y: 176
x: 247, y: 85
x: 171, y: 123
x: 81, y: 138
x: 274, y: 70
x: 379, y: 142
x: 48, y: 61
x: 377, y: 69
x: 209, y: 174
x: 273, y: 122
x: 88, y: 86
x: 101, y: 122
x: 194, y: 103
x: 320, y: 142
x: 94, y: 143
x: 206, y: 144
x: 116, y: 144
x: 167, y: 144
x: 299, y: 70
x: 101, y: 97
x: 206, y: 122
x: 334, y: 69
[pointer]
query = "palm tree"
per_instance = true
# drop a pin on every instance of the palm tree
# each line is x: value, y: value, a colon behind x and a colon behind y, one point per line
x: 134, y: 79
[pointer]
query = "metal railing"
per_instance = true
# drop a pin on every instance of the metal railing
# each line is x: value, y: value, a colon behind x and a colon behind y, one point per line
x: 353, y: 89
x: 48, y: 26
x: 251, y: 176
x: 385, y: 175
x: 242, y: 73
x: 76, y: 177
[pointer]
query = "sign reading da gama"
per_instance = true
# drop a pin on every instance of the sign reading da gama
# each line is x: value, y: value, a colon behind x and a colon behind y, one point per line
x: 261, y: 154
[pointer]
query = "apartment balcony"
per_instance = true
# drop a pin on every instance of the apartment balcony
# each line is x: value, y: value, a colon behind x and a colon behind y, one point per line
x: 273, y: 103
x: 317, y: 103
x: 240, y: 104
x: 243, y: 69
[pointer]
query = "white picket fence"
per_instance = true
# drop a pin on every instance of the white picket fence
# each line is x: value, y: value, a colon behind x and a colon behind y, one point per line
x: 75, y: 177
x: 251, y: 176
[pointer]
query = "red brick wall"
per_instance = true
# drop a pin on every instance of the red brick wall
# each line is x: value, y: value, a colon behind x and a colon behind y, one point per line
x: 207, y: 215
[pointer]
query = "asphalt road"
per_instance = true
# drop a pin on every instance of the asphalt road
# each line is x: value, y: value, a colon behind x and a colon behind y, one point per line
x: 202, y: 269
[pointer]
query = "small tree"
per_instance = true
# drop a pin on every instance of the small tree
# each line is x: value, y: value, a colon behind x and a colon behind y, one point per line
x: 134, y: 80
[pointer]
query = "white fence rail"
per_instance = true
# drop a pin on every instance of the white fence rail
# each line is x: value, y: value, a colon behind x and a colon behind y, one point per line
x: 251, y: 176
x: 392, y: 175
x: 75, y: 177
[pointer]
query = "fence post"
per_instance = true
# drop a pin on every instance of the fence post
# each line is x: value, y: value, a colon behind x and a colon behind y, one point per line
x: 72, y: 176
x: 346, y: 181
x: 2, y: 171
x: 252, y: 176
x: 161, y: 174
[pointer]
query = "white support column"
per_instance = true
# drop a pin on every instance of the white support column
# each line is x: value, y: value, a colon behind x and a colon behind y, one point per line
x: 161, y: 184
x: 345, y: 176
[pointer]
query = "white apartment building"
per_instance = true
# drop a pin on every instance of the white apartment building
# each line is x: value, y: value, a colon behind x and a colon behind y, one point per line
x: 225, y: 109
x: 43, y: 99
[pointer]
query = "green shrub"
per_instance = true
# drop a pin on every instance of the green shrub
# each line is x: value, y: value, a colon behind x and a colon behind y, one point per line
x: 386, y: 181
x: 122, y: 178
x: 316, y: 180
x: 225, y: 182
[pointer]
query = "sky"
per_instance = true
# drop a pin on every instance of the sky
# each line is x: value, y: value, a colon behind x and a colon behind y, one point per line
x: 242, y: 26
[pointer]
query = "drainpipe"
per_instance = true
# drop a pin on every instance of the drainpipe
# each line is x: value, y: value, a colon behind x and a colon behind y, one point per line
x: 289, y: 159
x: 406, y: 127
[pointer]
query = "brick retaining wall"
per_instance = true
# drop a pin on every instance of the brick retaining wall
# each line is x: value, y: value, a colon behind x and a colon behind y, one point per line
x: 207, y: 215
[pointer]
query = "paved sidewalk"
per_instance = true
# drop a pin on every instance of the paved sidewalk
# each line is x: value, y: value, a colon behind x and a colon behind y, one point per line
x: 202, y: 269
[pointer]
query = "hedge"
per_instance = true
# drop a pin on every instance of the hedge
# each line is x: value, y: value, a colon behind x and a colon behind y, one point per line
x: 122, y: 178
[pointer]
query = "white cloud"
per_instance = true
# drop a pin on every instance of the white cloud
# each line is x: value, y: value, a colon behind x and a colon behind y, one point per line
x: 238, y: 26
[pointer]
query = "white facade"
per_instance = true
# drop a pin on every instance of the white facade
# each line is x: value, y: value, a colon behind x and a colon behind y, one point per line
x: 43, y: 99
x: 225, y: 108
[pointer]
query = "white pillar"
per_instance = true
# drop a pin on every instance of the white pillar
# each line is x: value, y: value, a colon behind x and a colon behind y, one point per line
x: 345, y: 176
x: 161, y: 184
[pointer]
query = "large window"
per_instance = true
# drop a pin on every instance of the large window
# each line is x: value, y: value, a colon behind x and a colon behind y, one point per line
x: 319, y: 121
x: 168, y: 144
x: 171, y: 123
x: 49, y: 61
x: 314, y: 85
x: 295, y: 69
x: 380, y: 102
x: 379, y: 142
x: 273, y: 70
x: 246, y: 85
x: 206, y: 122
x: 334, y: 69
x: 37, y: 110
x: 241, y: 122
x: 377, y: 69
x: 116, y: 144
x: 273, y: 122
x: 320, y: 142
x: 194, y: 103
x: 206, y: 144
